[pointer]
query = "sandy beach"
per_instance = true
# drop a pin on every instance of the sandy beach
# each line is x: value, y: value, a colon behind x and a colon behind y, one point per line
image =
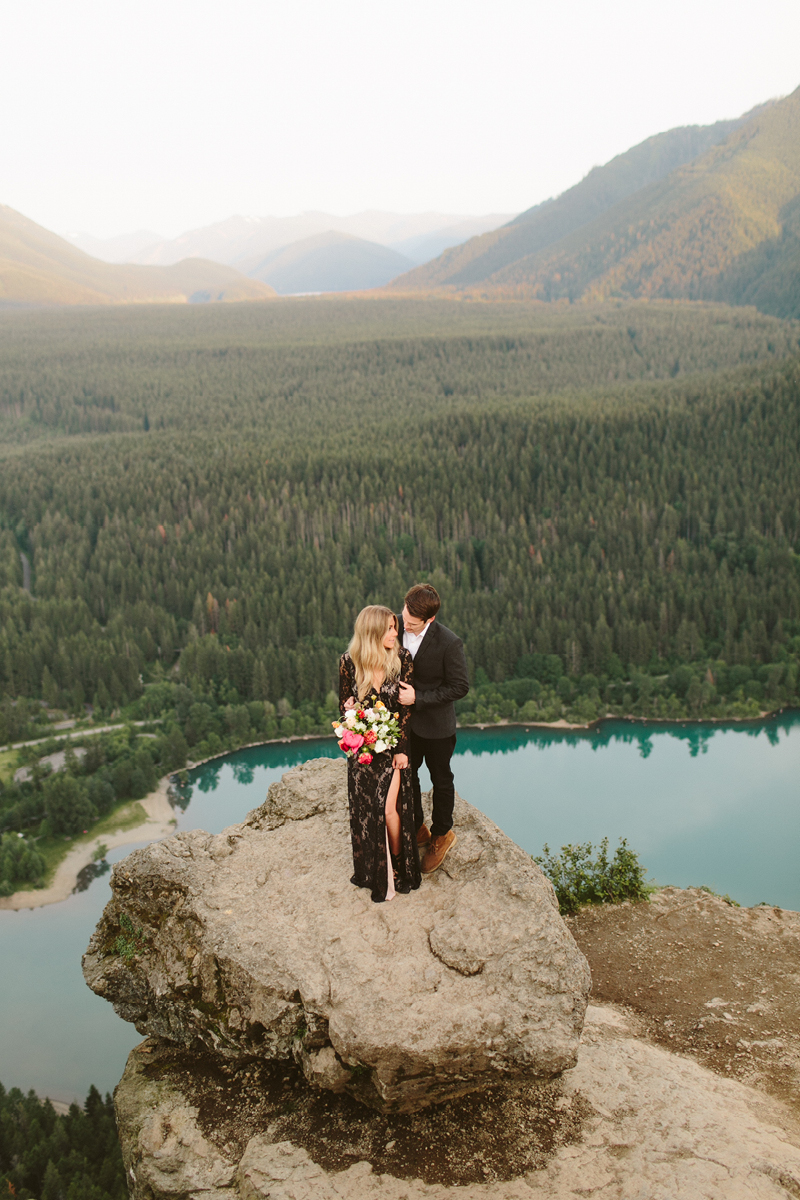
x: 160, y: 823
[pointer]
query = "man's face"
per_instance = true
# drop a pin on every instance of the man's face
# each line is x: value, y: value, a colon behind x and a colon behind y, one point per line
x: 411, y: 623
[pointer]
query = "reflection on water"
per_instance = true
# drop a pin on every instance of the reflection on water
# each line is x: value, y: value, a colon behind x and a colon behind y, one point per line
x: 712, y: 805
x: 89, y: 873
x: 277, y: 757
x: 55, y: 1035
x: 504, y: 739
x: 701, y: 804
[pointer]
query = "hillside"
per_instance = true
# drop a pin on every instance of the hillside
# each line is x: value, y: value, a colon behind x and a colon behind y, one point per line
x: 545, y: 224
x: 769, y: 275
x: 723, y: 226
x: 328, y: 262
x: 38, y: 267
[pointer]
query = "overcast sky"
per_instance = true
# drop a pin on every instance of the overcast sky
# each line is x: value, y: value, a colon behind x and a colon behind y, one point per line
x: 170, y: 114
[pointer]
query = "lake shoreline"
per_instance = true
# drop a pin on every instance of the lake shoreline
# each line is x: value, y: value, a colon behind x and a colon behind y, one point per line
x: 558, y: 726
x: 678, y: 722
x: 160, y: 821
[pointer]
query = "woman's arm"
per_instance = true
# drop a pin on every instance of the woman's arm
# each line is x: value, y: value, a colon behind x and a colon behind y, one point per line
x: 404, y: 714
x: 347, y: 684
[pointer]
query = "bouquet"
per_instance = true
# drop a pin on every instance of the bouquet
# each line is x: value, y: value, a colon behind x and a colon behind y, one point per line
x: 368, y: 729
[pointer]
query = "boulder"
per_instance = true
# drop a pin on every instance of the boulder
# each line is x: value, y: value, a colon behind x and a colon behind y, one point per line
x: 253, y: 943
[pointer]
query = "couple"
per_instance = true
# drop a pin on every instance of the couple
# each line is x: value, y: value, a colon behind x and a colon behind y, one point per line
x: 415, y: 668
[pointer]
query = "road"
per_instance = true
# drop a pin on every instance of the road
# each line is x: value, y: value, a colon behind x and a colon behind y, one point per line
x: 76, y: 733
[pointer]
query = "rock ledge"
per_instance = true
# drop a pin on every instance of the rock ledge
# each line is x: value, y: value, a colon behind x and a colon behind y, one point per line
x: 253, y: 943
x: 631, y: 1120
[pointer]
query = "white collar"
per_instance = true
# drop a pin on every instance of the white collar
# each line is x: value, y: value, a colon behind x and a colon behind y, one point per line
x: 417, y: 637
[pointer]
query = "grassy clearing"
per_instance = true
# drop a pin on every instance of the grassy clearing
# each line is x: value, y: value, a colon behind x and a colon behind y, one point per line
x: 126, y: 816
x: 8, y: 765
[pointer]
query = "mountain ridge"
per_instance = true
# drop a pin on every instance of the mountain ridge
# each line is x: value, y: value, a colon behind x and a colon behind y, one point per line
x: 39, y: 267
x: 680, y: 236
x: 569, y: 247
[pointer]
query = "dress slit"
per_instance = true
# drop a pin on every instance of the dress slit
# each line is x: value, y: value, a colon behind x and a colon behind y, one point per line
x: 368, y: 787
x: 390, y: 892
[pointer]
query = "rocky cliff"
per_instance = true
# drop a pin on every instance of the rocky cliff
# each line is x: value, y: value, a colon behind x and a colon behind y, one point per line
x: 259, y: 974
x: 254, y: 945
x: 631, y: 1120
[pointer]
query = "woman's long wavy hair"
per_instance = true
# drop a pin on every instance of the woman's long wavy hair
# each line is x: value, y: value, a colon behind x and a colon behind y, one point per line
x: 367, y: 649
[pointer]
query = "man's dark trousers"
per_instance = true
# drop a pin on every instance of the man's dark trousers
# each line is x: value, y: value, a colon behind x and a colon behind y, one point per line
x: 436, y: 753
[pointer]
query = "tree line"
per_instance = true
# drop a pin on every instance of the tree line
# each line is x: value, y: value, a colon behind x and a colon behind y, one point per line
x: 45, y: 1155
x: 650, y: 530
x: 621, y: 528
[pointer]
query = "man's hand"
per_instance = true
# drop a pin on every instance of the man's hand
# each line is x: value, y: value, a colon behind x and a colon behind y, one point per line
x: 407, y: 694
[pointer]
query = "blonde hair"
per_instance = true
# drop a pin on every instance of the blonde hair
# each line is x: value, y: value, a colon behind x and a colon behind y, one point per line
x: 368, y: 651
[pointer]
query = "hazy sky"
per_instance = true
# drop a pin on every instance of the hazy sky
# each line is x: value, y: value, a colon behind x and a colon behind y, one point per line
x: 176, y: 113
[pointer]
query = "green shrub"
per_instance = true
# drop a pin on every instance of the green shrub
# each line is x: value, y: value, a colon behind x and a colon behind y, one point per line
x: 579, y: 878
x: 174, y: 751
x: 130, y: 941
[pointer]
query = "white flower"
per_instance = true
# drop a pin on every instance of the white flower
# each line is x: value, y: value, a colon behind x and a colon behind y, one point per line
x: 350, y: 717
x: 380, y: 746
x: 338, y: 731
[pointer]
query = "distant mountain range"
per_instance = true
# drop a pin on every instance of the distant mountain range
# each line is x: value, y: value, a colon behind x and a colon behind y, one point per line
x: 39, y: 267
x: 364, y: 250
x: 328, y: 262
x: 418, y: 236
x: 700, y: 212
x: 704, y: 212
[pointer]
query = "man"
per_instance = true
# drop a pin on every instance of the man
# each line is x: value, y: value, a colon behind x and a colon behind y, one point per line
x: 440, y: 678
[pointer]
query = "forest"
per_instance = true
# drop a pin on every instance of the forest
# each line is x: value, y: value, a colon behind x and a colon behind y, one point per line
x: 607, y: 498
x: 45, y: 1155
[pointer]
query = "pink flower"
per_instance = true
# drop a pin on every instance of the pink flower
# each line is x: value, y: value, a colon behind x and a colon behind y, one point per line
x: 351, y: 741
x: 370, y: 737
x: 366, y: 759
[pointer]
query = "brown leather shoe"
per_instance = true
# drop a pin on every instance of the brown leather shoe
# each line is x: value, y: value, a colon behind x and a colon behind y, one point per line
x: 423, y: 835
x: 435, y: 854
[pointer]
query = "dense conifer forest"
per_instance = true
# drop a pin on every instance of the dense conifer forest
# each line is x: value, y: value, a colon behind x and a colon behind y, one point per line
x: 608, y: 500
x: 48, y: 1156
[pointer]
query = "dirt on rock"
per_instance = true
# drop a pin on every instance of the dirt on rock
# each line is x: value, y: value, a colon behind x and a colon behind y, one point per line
x: 498, y: 1134
x: 707, y: 979
x: 684, y: 977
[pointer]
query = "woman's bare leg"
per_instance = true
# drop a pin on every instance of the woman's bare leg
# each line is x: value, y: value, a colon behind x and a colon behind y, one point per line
x: 391, y: 813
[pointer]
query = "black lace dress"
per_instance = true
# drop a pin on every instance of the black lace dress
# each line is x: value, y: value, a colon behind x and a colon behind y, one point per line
x: 368, y: 787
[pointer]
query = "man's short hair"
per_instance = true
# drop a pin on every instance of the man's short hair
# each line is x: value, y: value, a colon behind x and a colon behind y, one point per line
x: 422, y: 601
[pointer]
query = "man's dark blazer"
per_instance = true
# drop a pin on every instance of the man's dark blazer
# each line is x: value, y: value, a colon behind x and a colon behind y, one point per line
x: 440, y: 678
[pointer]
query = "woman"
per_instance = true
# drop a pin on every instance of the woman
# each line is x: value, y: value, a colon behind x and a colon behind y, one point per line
x: 384, y: 836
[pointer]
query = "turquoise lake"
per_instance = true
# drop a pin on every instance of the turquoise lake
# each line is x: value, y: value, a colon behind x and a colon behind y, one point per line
x: 717, y: 806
